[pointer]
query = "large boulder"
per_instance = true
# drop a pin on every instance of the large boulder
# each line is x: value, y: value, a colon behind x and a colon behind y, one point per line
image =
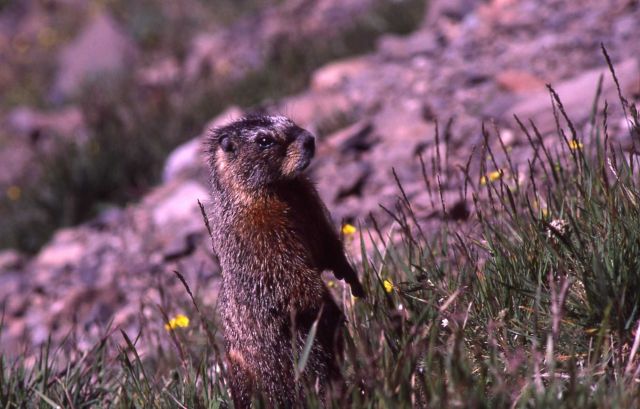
x: 101, y: 47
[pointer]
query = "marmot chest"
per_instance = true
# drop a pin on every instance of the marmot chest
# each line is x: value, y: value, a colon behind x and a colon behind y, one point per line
x: 270, y: 238
x: 270, y: 257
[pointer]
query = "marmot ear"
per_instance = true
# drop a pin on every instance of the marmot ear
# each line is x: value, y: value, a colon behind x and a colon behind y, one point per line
x: 226, y: 144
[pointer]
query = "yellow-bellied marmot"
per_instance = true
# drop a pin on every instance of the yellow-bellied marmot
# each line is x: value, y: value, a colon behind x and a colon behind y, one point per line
x: 274, y: 238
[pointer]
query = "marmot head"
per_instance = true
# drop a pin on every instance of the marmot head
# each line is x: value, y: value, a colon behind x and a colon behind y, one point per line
x: 256, y: 152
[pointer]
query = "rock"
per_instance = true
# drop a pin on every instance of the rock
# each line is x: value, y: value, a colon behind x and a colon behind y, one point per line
x: 228, y: 115
x: 518, y: 81
x: 352, y: 208
x: 10, y: 259
x: 577, y: 95
x: 110, y: 217
x: 331, y: 76
x: 102, y: 46
x: 310, y: 109
x: 187, y: 160
x: 182, y: 160
x: 338, y: 181
x: 423, y: 42
x: 499, y: 105
x: 352, y: 177
x: 176, y: 202
x: 402, y: 132
x: 161, y: 73
x: 67, y: 122
x: 65, y: 249
x: 86, y: 304
x: 357, y: 137
x: 181, y: 246
x: 12, y: 283
x: 450, y: 9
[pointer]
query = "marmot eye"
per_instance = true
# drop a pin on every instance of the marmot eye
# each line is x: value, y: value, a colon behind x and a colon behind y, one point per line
x: 264, y: 141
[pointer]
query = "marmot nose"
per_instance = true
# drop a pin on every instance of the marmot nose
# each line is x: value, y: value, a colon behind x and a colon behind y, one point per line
x: 308, y: 143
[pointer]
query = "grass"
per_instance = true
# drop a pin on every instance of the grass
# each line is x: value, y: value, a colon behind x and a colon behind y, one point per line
x: 133, y: 128
x: 533, y: 303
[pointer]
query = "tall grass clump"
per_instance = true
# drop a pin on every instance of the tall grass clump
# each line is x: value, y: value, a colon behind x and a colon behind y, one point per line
x: 530, y: 303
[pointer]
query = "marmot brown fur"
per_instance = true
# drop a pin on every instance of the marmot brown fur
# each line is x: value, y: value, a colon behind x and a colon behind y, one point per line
x: 274, y: 237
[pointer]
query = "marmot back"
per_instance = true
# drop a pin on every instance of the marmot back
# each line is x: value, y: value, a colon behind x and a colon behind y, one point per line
x: 274, y: 238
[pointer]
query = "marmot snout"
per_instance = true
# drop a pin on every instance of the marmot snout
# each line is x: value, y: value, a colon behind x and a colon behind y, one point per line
x: 274, y: 238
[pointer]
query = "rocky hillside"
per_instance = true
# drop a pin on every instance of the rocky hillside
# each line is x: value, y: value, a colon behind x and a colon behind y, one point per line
x: 469, y: 63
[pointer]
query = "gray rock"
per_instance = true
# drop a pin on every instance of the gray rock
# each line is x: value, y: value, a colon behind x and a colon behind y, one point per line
x: 10, y: 259
x: 182, y: 161
x: 176, y: 202
x: 187, y: 159
x: 67, y: 248
x: 332, y: 76
x: 102, y: 46
x: 577, y: 95
x: 451, y: 9
x: 422, y: 42
x: 67, y: 122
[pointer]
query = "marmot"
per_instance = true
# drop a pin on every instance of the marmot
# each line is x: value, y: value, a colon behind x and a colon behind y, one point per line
x: 274, y: 237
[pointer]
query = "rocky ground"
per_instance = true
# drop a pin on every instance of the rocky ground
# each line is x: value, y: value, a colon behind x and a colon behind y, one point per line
x: 469, y: 63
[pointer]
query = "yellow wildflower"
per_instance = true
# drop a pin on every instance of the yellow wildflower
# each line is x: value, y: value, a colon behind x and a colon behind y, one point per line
x: 348, y: 229
x: 14, y: 193
x: 388, y: 285
x: 179, y: 321
x: 575, y: 145
x: 491, y: 176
